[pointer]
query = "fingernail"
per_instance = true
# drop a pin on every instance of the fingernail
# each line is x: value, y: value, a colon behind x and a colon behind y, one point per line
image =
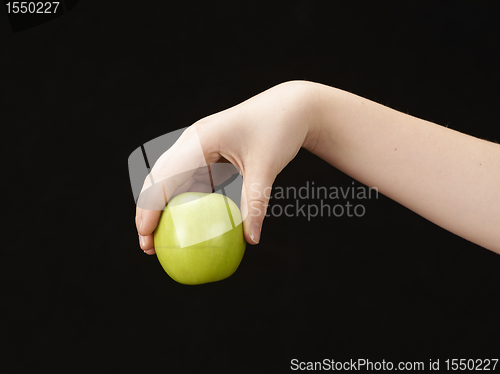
x: 142, y: 240
x: 255, y: 233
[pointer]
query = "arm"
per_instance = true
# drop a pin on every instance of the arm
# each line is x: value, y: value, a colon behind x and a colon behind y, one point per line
x: 448, y: 177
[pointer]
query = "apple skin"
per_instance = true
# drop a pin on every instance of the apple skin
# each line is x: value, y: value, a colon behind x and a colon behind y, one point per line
x: 211, y: 225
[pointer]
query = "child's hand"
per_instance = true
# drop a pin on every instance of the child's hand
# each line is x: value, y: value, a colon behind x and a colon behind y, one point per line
x: 259, y: 136
x: 445, y: 176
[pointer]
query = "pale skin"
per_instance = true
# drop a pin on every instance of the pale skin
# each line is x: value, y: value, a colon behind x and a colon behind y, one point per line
x: 447, y: 177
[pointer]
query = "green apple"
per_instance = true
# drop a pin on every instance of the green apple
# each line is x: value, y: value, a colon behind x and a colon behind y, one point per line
x: 199, y: 238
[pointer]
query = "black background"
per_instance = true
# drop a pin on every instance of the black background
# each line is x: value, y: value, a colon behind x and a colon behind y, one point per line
x: 81, y: 92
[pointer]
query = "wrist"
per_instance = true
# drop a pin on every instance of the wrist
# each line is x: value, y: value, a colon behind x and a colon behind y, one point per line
x: 313, y: 123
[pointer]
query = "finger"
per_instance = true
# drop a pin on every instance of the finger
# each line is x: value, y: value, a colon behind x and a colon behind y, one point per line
x: 172, y: 170
x: 151, y: 203
x: 146, y: 242
x: 255, y: 197
x: 154, y: 200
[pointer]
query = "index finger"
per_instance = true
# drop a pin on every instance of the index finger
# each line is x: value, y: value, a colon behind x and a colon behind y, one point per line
x: 171, y: 171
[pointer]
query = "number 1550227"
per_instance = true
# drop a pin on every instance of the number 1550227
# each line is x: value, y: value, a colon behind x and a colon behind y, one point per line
x: 471, y: 364
x: 32, y: 7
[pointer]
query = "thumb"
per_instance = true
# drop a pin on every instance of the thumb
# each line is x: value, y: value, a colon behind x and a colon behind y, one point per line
x: 257, y: 185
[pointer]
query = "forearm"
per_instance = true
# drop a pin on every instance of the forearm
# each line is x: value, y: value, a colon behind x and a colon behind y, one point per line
x: 450, y: 178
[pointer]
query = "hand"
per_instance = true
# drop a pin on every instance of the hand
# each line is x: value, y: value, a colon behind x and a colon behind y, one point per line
x: 259, y: 137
